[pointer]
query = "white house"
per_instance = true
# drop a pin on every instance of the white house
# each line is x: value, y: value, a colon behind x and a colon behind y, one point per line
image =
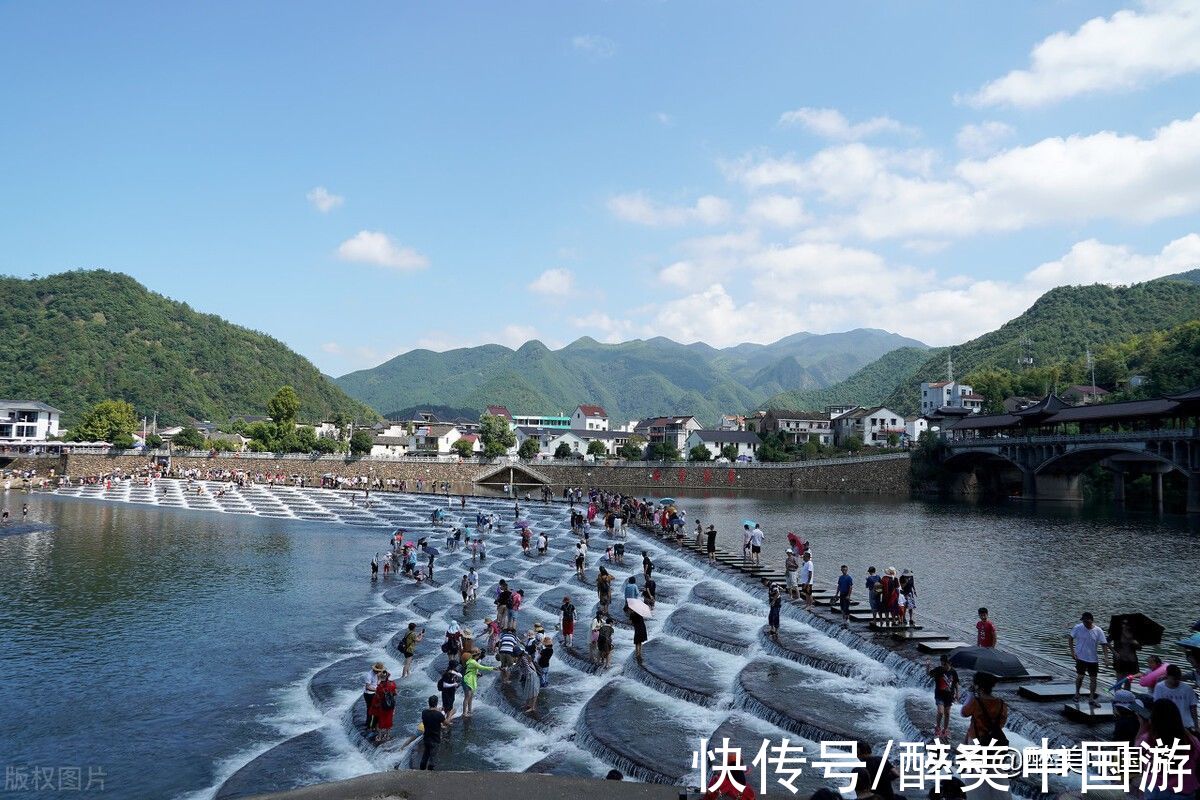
x: 673, y: 430
x: 543, y: 437
x: 433, y: 439
x: 589, y: 418
x: 745, y: 442
x: 798, y: 427
x: 952, y: 394
x: 27, y: 422
x: 579, y: 441
x: 731, y: 422
x: 874, y: 425
x: 914, y: 427
x: 389, y: 445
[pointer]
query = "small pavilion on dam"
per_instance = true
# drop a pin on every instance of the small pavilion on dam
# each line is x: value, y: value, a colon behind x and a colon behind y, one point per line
x: 1048, y: 445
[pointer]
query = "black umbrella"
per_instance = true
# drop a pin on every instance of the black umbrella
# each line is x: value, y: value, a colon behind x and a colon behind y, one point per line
x: 989, y: 660
x: 1145, y: 630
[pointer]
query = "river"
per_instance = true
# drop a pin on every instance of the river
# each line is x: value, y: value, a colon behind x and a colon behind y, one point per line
x: 164, y: 649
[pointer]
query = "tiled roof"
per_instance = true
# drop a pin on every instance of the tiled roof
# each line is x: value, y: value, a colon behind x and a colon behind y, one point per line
x: 498, y: 411
x: 593, y: 411
x: 28, y: 404
x: 809, y: 415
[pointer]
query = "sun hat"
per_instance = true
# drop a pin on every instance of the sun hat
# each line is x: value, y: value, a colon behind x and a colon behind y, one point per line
x: 907, y: 572
x: 1123, y: 698
x: 378, y: 667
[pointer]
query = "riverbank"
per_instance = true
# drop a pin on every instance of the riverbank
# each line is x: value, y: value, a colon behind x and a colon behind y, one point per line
x: 886, y: 474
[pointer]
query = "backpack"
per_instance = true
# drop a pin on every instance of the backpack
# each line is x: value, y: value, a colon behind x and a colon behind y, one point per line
x: 994, y: 732
x: 389, y: 701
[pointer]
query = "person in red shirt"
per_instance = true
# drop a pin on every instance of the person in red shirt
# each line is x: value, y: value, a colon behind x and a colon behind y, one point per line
x: 985, y: 630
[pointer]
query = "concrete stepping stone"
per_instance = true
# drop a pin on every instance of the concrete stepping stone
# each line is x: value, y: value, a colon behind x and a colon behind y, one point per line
x: 1086, y: 713
x: 288, y: 765
x: 1046, y: 692
x: 937, y: 648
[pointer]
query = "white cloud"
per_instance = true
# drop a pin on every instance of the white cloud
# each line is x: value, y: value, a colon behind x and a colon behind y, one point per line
x: 323, y: 200
x: 983, y: 138
x: 832, y: 124
x: 925, y: 247
x: 611, y: 329
x: 777, y: 210
x: 515, y: 335
x: 879, y: 193
x: 594, y: 45
x: 664, y: 119
x: 636, y: 207
x: 333, y: 348
x: 1125, y: 51
x: 824, y: 286
x: 553, y: 282
x: 373, y: 247
x: 1091, y: 261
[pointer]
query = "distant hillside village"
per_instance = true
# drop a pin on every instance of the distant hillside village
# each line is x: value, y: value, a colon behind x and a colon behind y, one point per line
x: 585, y: 433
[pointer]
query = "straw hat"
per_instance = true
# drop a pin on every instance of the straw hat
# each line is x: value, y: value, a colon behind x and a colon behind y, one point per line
x: 890, y: 571
x: 378, y: 667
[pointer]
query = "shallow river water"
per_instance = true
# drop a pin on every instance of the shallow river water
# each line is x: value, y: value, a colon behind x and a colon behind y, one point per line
x: 181, y: 653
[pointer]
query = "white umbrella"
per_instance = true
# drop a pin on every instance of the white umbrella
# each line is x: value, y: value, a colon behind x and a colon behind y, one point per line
x: 639, y: 606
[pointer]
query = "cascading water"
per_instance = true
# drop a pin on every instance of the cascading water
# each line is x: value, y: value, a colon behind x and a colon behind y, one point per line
x: 708, y: 666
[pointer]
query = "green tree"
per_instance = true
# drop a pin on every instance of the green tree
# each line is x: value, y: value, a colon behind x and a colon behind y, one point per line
x: 284, y: 408
x: 188, y: 439
x: 361, y: 442
x: 327, y: 446
x: 729, y: 452
x: 123, y: 441
x: 263, y: 437
x: 853, y: 443
x: 893, y: 440
x: 105, y: 422
x: 496, y: 434
x: 563, y: 450
x: 995, y: 385
x: 304, y: 440
x: 153, y: 441
x: 773, y: 448
x: 631, y: 450
x: 699, y: 453
x: 663, y: 451
x: 221, y: 445
x: 810, y: 449
x: 464, y: 448
x: 529, y: 449
x: 597, y: 448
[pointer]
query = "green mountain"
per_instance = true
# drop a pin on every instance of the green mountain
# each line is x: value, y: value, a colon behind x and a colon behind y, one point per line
x: 1056, y: 331
x: 76, y: 338
x: 634, y: 379
x: 868, y: 386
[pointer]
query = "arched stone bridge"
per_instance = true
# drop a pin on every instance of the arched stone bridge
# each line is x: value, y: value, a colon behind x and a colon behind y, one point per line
x: 1050, y: 465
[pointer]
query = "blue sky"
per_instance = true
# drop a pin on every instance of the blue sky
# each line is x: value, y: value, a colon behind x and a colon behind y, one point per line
x: 361, y: 179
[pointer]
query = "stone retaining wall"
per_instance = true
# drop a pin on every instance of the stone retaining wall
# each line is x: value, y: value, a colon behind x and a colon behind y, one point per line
x: 871, y: 477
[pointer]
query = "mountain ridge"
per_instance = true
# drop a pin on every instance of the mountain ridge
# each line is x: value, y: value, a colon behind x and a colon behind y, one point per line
x: 75, y: 338
x: 632, y: 379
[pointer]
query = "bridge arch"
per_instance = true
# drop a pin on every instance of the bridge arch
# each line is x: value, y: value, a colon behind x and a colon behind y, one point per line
x: 1079, y: 459
x: 968, y: 460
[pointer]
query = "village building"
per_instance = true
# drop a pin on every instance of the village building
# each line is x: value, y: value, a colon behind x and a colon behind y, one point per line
x: 799, y: 427
x: 589, y: 418
x: 668, y: 430
x: 745, y: 442
x: 24, y: 422
x: 874, y: 426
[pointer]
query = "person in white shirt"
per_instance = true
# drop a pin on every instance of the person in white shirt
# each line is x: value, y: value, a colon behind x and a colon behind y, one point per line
x: 756, y: 542
x: 806, y: 579
x: 1085, y: 641
x: 1183, y: 696
x: 370, y: 684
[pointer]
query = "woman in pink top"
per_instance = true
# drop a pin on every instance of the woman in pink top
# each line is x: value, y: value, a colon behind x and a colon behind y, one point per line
x: 1163, y: 729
